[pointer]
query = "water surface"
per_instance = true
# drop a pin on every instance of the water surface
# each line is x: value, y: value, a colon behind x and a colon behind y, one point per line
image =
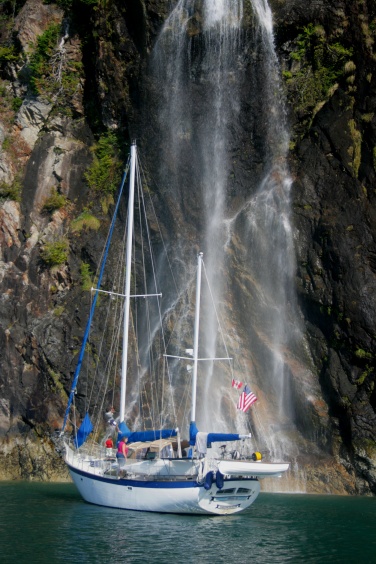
x: 49, y: 523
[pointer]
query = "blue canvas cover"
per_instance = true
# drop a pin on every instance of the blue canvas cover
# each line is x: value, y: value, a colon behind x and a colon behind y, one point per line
x: 192, y: 433
x: 83, y: 432
x: 222, y: 437
x: 212, y: 437
x: 124, y: 430
x: 219, y: 479
x: 208, y: 480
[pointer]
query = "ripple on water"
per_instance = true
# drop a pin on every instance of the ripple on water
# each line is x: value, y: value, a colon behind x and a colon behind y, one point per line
x: 49, y: 523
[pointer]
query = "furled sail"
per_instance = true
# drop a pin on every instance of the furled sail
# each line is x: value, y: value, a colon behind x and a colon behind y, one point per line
x: 213, y: 437
x: 84, y: 431
x: 145, y: 436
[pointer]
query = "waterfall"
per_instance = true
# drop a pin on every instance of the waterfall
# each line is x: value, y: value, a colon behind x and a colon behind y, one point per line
x: 219, y: 118
x: 267, y: 233
x: 198, y: 60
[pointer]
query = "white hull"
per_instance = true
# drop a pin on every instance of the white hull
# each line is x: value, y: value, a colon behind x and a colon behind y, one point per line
x: 163, y: 486
x: 168, y: 497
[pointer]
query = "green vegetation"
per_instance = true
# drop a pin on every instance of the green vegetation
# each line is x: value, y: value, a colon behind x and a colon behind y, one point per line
x: 345, y: 402
x: 11, y: 191
x: 52, y: 74
x: 9, y: 106
x: 8, y: 54
x: 57, y: 386
x: 368, y: 117
x: 368, y: 369
x: 360, y: 353
x: 59, y: 310
x: 86, y: 276
x: 16, y: 104
x: 55, y: 202
x: 55, y: 254
x: 85, y: 220
x: 317, y: 65
x: 40, y: 62
x: 106, y: 202
x: 363, y: 376
x: 7, y: 143
x: 103, y: 175
x: 356, y: 150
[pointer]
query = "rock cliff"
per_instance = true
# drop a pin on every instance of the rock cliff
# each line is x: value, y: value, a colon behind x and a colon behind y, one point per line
x: 74, y: 87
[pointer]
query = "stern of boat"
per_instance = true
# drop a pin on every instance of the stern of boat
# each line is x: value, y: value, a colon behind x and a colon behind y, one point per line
x: 234, y: 496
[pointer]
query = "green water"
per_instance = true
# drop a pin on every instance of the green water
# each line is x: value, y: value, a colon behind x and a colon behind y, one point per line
x: 49, y: 523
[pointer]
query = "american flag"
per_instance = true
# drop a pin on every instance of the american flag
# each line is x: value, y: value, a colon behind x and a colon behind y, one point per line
x: 246, y: 399
x: 236, y: 384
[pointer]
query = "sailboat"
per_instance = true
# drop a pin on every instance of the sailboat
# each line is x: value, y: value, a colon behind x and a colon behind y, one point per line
x: 158, y: 475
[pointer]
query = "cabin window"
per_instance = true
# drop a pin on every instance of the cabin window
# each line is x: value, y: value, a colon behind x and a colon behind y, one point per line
x: 226, y: 492
x: 244, y: 491
x: 167, y: 452
x: 141, y: 452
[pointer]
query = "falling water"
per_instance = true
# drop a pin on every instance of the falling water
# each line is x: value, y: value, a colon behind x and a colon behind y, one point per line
x: 228, y: 178
x: 270, y: 256
x: 198, y: 58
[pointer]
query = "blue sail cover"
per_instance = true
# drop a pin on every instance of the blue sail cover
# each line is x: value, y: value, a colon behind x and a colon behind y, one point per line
x: 212, y: 437
x: 84, y: 431
x: 124, y: 430
x: 222, y: 437
x: 192, y: 433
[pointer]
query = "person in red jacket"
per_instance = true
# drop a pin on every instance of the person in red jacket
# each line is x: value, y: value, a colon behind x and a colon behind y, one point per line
x: 122, y: 451
x: 109, y: 446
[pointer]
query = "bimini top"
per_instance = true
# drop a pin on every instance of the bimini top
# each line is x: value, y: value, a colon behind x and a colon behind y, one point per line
x: 161, y: 448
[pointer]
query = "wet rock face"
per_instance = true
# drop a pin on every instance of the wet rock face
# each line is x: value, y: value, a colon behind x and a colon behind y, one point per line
x: 333, y: 203
x: 125, y: 40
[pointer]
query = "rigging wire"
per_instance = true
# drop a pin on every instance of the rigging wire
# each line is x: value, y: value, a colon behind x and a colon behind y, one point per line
x: 83, y: 346
x: 113, y: 337
x: 155, y: 217
x: 218, y: 319
x: 148, y: 351
x: 153, y: 265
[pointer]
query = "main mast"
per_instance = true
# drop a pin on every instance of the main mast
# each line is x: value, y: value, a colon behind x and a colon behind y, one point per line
x: 195, y: 336
x: 127, y: 285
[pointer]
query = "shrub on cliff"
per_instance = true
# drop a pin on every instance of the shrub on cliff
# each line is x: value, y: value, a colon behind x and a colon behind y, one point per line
x: 86, y: 276
x: 317, y: 64
x: 52, y: 73
x: 11, y: 191
x: 56, y: 253
x: 40, y: 64
x: 85, y: 220
x: 55, y: 202
x: 104, y: 173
